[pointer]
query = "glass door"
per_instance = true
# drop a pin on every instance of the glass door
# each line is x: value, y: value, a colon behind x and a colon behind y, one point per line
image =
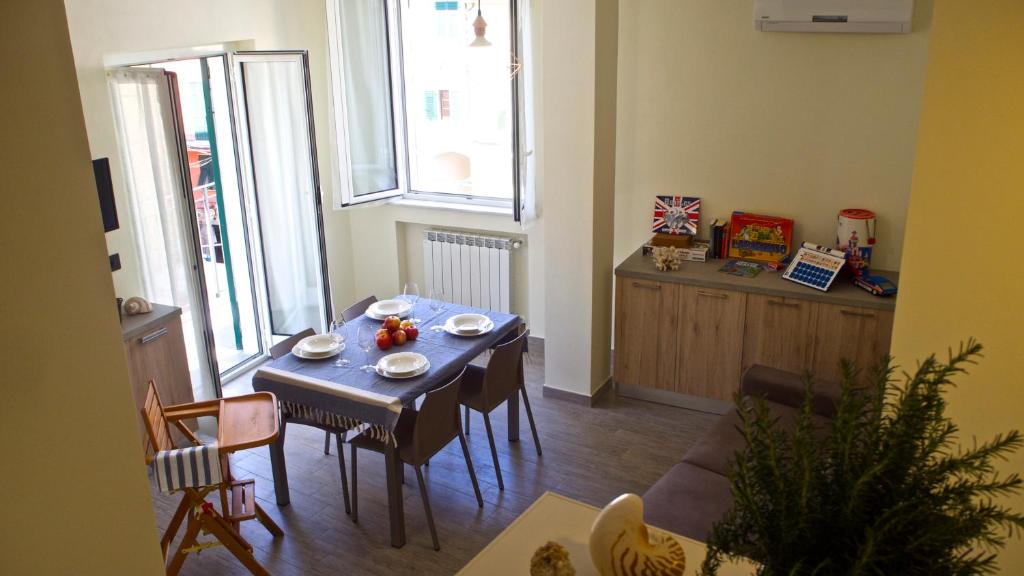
x: 280, y: 169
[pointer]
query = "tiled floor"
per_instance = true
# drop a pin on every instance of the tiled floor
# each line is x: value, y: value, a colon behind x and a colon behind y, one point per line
x: 592, y: 454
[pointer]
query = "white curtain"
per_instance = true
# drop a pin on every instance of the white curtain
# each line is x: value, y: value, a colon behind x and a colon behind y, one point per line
x: 363, y: 33
x: 161, y: 224
x: 275, y: 101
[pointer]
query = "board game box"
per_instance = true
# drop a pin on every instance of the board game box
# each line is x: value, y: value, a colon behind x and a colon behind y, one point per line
x: 757, y: 237
x: 676, y: 215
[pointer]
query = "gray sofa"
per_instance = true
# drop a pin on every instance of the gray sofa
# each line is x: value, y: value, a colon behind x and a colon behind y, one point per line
x: 695, y: 493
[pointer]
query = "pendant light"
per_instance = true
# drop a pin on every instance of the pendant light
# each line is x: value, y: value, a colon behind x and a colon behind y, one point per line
x: 479, y: 29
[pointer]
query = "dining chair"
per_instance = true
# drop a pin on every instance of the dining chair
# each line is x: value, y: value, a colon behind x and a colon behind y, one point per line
x: 284, y: 347
x: 420, y: 434
x: 349, y: 314
x: 197, y: 472
x: 484, y: 389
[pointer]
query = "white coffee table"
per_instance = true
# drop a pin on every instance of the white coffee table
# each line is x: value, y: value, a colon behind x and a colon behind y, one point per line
x: 556, y: 518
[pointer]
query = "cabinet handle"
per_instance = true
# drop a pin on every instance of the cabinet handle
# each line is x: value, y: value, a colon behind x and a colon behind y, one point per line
x: 152, y: 336
x: 784, y: 303
x: 718, y: 295
x: 857, y: 314
x: 647, y: 286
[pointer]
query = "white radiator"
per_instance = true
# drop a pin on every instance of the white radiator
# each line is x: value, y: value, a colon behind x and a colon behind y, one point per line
x: 469, y: 269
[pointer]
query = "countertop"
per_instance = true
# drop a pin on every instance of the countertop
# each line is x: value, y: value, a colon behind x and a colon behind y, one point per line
x: 769, y: 282
x: 132, y: 326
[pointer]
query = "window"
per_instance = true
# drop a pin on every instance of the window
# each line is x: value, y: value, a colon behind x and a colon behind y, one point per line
x: 428, y: 103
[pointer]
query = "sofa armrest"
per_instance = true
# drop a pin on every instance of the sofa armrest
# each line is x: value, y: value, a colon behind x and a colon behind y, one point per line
x: 787, y: 388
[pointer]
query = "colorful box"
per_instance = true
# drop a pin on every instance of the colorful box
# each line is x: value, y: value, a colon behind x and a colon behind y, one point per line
x: 676, y: 215
x: 758, y: 237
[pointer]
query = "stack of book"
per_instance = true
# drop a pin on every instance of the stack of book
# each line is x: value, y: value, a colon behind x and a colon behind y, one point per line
x: 719, y: 246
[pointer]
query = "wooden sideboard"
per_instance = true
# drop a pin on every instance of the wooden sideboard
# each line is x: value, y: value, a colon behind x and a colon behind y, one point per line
x: 685, y: 337
x: 155, y: 346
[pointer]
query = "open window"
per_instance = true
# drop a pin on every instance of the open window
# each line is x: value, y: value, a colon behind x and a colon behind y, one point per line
x: 429, y: 100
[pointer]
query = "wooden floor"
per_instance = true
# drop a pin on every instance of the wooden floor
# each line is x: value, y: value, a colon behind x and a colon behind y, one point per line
x: 591, y: 454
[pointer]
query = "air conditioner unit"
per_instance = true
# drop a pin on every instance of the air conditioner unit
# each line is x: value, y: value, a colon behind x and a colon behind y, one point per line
x: 865, y: 16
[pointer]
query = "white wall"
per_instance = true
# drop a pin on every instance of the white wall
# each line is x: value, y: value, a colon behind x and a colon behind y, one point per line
x: 796, y: 125
x: 109, y: 29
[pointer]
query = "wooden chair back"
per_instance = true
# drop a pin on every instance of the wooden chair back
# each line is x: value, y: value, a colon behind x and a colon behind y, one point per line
x: 358, y: 309
x: 504, y: 375
x: 158, y: 430
x: 437, y: 421
x: 285, y: 346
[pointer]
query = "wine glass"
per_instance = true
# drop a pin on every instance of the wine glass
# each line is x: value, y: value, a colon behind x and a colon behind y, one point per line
x: 338, y: 335
x: 436, y: 304
x: 366, y: 337
x: 411, y: 294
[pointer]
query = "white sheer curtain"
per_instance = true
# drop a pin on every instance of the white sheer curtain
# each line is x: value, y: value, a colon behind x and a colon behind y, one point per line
x: 282, y: 160
x: 371, y: 135
x: 161, y: 224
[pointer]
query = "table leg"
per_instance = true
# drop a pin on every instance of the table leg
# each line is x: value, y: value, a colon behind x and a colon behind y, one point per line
x: 395, y: 501
x: 278, y: 467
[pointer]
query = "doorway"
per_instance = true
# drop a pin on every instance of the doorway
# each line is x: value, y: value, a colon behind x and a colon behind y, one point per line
x: 220, y: 166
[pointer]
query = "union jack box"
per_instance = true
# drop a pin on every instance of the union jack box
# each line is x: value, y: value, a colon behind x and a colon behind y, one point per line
x: 676, y: 215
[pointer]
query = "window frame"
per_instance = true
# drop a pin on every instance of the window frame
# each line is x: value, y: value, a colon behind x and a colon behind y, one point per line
x: 346, y: 197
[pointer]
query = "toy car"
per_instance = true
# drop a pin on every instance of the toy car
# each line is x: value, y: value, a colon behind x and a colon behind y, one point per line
x: 877, y: 285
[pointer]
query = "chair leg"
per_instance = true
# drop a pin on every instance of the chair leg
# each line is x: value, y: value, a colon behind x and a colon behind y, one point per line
x: 494, y: 450
x: 355, y: 498
x: 529, y: 416
x: 472, y: 473
x: 467, y: 420
x: 268, y: 522
x: 426, y: 507
x: 221, y: 530
x: 344, y: 475
x: 327, y: 443
x: 172, y: 529
x: 191, y: 532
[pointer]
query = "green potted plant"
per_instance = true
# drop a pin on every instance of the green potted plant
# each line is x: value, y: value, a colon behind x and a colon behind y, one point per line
x: 884, y: 489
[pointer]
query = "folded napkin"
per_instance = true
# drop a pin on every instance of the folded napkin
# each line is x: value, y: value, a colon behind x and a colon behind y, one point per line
x: 192, y: 467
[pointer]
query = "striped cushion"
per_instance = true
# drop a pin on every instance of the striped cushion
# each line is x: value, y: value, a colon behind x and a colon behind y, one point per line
x: 187, y: 468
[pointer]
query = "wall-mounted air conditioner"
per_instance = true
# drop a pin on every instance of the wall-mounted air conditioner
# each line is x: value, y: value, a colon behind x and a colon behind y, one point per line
x: 865, y: 16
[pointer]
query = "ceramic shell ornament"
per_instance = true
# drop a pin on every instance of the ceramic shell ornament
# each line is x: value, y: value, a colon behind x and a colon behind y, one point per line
x: 137, y: 305
x: 621, y: 544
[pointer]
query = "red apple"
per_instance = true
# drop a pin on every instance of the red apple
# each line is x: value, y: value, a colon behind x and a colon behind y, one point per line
x: 412, y: 332
x: 399, y: 336
x: 383, y: 339
x: 405, y: 324
x: 391, y: 323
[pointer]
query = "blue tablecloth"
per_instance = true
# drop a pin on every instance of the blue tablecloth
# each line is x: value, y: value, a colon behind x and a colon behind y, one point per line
x: 447, y: 355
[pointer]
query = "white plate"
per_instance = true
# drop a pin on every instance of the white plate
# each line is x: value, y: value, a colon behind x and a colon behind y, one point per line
x: 318, y: 345
x: 468, y: 325
x: 386, y: 374
x: 402, y: 363
x: 298, y: 351
x: 381, y: 309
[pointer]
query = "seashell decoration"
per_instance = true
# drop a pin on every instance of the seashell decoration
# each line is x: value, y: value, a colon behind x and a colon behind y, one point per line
x: 622, y: 545
x: 667, y: 258
x: 137, y: 305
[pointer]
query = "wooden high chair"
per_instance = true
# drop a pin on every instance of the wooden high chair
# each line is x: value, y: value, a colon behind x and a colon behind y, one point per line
x: 242, y: 422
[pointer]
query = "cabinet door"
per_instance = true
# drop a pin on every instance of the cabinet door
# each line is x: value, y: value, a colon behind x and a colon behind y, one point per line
x: 159, y: 355
x: 710, y: 342
x: 779, y: 333
x: 846, y: 332
x: 646, y: 320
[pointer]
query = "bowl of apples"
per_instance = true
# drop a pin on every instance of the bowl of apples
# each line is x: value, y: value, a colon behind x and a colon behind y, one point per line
x: 395, y: 332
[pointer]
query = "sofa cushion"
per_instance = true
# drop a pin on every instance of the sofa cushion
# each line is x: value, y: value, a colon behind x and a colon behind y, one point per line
x: 717, y: 448
x: 687, y: 500
x: 788, y: 388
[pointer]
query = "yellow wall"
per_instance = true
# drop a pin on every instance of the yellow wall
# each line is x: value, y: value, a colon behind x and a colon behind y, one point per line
x: 76, y: 497
x: 797, y: 125
x: 961, y: 275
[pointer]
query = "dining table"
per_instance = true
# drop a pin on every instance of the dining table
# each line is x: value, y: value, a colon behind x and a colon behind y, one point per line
x: 339, y: 399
